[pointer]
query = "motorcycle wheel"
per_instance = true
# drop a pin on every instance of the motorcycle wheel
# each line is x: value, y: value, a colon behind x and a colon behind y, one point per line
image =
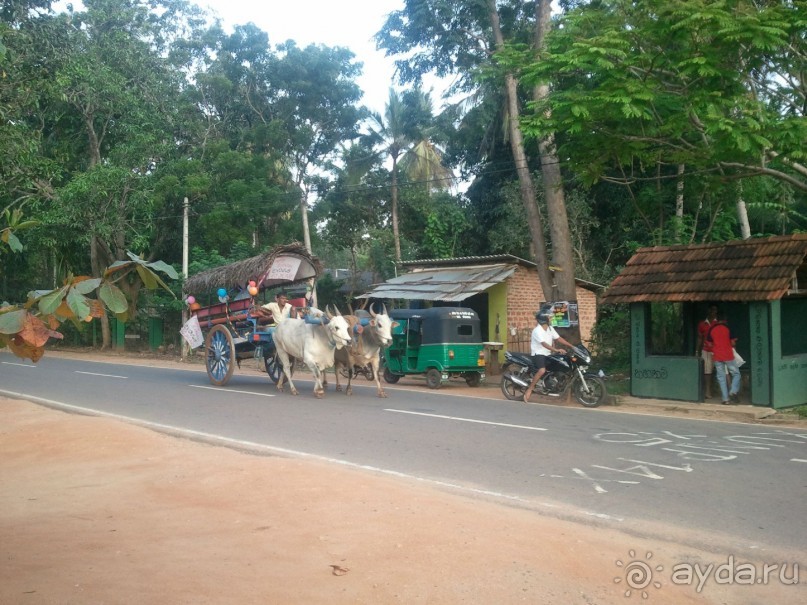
x: 511, y: 390
x: 595, y: 395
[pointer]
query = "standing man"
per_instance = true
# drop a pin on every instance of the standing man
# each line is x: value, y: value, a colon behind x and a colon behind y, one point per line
x: 723, y: 355
x: 542, y: 343
x: 704, y: 348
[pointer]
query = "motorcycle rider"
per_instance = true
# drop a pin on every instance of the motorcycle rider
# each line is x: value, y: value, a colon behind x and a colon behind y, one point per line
x: 542, y: 343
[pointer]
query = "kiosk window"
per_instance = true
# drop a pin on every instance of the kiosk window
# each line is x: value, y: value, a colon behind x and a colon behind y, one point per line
x: 666, y: 328
x: 794, y: 326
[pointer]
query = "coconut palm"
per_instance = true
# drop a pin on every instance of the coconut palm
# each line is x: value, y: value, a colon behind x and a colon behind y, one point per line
x: 403, y: 134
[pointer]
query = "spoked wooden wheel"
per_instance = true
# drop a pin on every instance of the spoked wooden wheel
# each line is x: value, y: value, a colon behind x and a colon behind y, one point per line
x: 220, y: 360
x: 272, y: 364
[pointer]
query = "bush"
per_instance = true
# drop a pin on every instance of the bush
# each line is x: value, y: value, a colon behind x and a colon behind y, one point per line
x: 611, y: 338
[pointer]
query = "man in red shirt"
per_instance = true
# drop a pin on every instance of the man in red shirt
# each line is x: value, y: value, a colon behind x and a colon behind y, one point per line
x: 704, y: 348
x: 723, y: 356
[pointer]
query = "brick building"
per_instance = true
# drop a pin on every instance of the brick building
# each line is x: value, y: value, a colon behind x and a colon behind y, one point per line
x: 524, y: 296
x: 503, y: 289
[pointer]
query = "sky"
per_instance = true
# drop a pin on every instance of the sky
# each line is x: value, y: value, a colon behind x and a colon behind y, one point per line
x: 347, y: 23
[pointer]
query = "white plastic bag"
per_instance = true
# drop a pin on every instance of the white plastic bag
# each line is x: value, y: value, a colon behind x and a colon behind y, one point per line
x: 737, y: 358
x: 192, y: 333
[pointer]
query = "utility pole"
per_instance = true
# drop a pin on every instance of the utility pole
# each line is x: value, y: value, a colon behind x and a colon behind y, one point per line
x: 184, y: 349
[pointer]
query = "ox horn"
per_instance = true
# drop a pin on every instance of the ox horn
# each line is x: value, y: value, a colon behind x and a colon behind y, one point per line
x: 328, y: 313
x: 372, y: 310
x: 383, y: 309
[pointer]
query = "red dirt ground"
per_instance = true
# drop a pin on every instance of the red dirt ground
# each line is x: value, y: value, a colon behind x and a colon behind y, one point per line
x: 94, y: 510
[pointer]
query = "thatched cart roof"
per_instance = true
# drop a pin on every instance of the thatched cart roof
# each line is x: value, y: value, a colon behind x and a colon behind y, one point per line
x: 280, y: 266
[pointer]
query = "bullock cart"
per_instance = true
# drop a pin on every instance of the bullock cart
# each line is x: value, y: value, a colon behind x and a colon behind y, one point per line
x: 232, y: 329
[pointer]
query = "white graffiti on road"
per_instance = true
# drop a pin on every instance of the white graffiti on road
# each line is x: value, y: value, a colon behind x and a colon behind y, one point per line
x: 692, y: 448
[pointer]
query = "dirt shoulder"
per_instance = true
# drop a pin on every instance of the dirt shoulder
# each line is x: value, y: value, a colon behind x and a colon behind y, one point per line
x: 94, y: 510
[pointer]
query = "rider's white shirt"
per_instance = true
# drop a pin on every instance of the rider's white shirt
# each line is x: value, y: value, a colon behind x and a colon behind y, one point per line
x: 541, y: 338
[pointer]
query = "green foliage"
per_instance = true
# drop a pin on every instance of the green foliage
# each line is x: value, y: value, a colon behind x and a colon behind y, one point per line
x: 710, y: 85
x: 13, y: 221
x: 203, y: 260
x: 26, y: 329
x: 446, y: 228
x: 611, y: 339
x: 328, y: 293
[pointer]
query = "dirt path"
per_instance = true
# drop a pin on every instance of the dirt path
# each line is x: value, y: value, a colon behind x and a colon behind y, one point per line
x: 93, y: 510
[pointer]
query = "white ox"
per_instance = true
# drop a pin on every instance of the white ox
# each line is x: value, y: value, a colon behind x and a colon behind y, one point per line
x: 314, y: 343
x: 366, y: 348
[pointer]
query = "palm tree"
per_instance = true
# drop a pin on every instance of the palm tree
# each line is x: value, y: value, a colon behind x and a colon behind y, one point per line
x: 404, y: 136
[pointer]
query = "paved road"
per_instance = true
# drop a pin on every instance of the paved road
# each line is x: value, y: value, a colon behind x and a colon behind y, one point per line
x: 736, y: 487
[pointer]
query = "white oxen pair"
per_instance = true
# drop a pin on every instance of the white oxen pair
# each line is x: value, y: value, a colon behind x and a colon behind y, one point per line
x: 314, y: 343
x: 366, y: 347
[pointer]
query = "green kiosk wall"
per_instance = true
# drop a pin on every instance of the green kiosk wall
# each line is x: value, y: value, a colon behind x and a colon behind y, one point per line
x: 662, y: 376
x: 788, y: 321
x: 772, y: 339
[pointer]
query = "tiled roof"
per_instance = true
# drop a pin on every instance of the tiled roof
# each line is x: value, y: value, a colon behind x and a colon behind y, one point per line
x: 743, y: 270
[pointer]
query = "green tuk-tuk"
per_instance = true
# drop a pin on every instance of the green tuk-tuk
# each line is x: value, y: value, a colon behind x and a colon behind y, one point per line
x: 440, y: 342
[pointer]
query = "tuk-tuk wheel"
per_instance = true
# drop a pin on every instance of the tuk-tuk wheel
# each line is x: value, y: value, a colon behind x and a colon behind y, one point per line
x: 473, y: 379
x: 434, y: 378
x: 390, y: 377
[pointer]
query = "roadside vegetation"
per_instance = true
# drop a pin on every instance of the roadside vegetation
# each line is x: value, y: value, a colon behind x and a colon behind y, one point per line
x: 579, y: 136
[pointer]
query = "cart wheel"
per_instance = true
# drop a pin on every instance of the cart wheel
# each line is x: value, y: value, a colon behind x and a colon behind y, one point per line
x: 434, y: 378
x: 273, y: 367
x: 220, y: 355
x: 390, y: 377
x: 473, y: 379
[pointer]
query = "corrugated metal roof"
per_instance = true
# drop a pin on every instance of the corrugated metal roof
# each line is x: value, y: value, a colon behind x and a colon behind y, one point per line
x: 464, y: 261
x: 448, y: 284
x: 467, y: 260
x: 744, y: 270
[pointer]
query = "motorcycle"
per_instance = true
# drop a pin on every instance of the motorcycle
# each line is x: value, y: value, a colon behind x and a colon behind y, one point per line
x: 563, y: 371
x: 366, y: 371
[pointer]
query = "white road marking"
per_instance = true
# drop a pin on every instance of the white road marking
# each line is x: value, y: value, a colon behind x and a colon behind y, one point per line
x: 198, y: 386
x: 797, y: 460
x: 104, y: 375
x: 296, y: 453
x: 512, y: 426
x: 19, y: 365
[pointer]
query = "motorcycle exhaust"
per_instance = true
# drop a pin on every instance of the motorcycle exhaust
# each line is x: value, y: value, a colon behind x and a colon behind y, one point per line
x: 520, y: 382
